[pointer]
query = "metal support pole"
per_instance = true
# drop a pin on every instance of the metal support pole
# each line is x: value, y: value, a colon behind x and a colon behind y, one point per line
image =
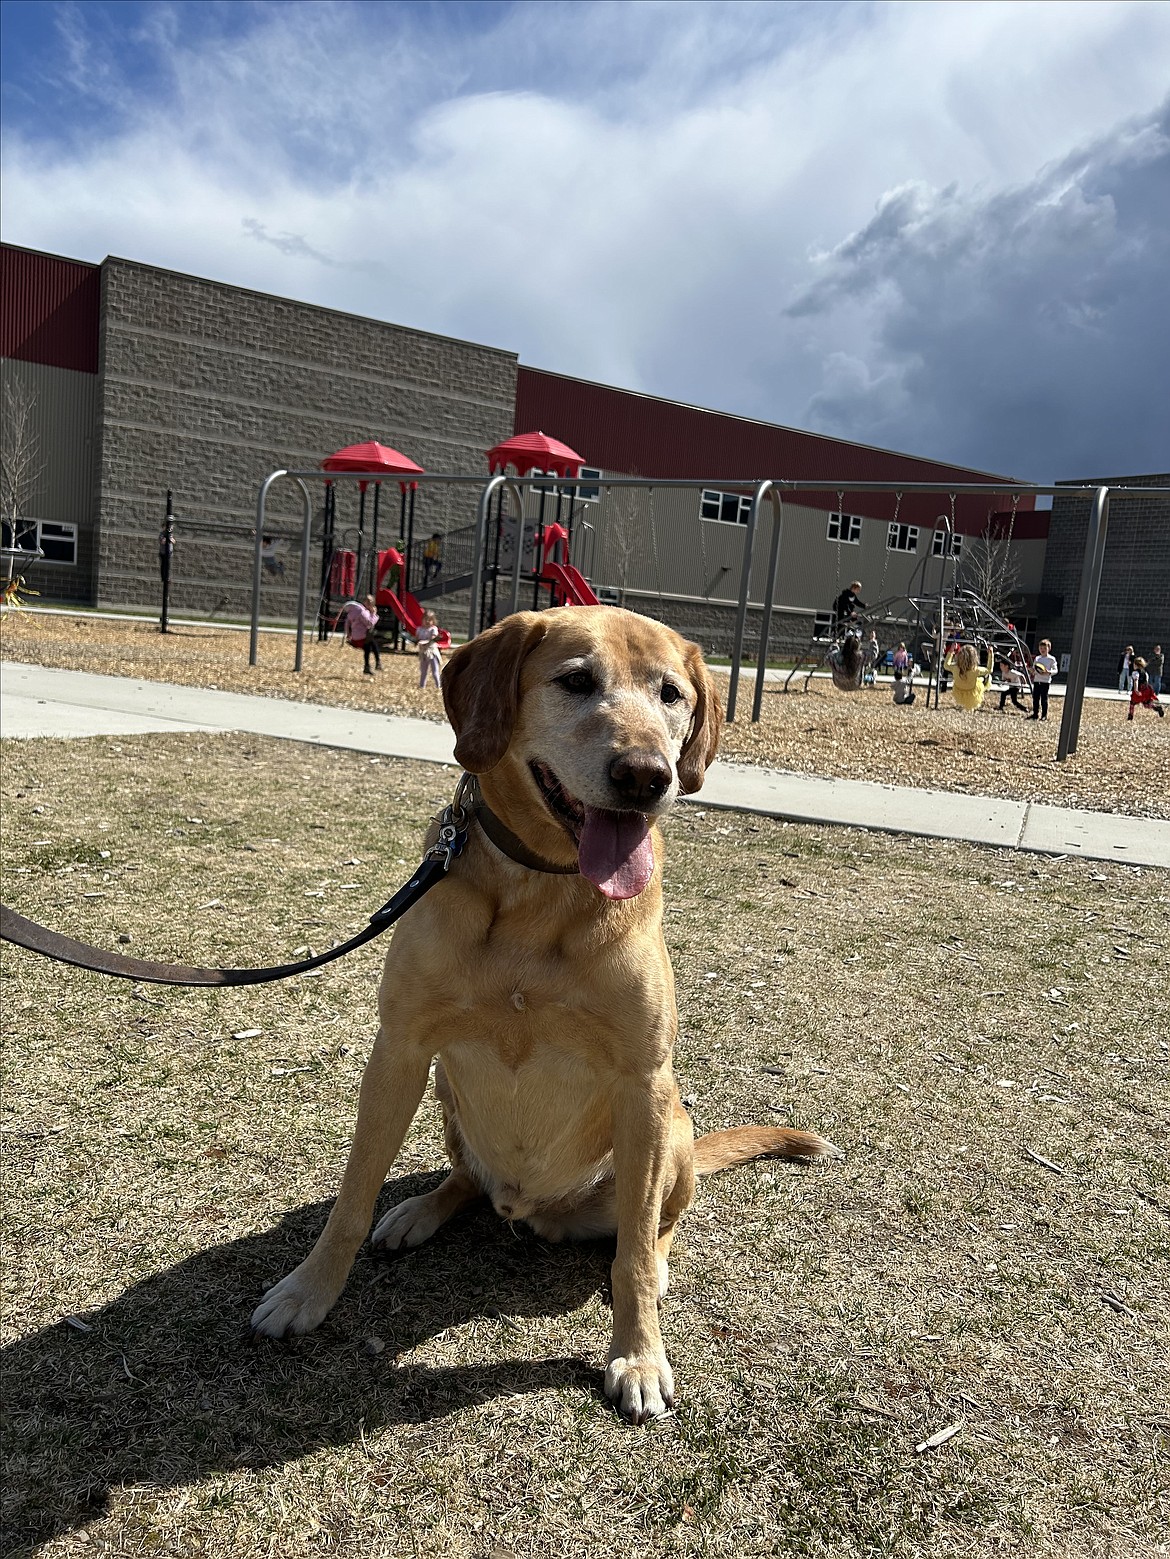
x: 374, y: 539
x: 261, y: 502
x: 361, y: 540
x: 517, y: 561
x: 324, y: 608
x: 407, y: 562
x: 941, y: 651
x: 1082, y: 644
x: 303, y: 593
x: 749, y: 543
x: 166, y: 551
x: 769, y: 588
x: 497, y: 541
x: 538, y: 553
x: 478, y: 548
x: 497, y: 483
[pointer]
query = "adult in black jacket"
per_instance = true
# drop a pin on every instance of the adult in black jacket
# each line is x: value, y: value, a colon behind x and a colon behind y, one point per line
x: 846, y: 604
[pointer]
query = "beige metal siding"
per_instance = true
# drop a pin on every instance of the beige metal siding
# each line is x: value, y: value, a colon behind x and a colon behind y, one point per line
x: 63, y: 406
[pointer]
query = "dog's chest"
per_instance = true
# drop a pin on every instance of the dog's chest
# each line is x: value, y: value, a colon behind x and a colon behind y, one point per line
x: 536, y: 987
x: 516, y: 987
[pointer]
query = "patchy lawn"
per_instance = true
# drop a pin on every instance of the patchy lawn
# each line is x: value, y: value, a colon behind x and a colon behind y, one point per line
x: 990, y: 1257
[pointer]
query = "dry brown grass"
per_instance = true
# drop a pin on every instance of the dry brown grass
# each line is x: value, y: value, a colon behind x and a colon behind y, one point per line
x: 1119, y: 766
x: 160, y: 1171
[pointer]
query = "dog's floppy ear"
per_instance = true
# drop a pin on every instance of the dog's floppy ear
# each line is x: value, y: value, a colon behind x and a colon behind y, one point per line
x: 702, y: 741
x: 481, y: 688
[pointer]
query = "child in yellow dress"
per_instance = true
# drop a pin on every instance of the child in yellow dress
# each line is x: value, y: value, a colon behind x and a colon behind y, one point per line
x: 971, y: 678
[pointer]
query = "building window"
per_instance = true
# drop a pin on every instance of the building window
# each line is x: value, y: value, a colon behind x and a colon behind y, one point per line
x: 730, y: 508
x: 902, y: 538
x: 939, y: 546
x: 54, y: 539
x: 575, y: 492
x: 823, y: 625
x: 845, y: 527
x: 584, y: 493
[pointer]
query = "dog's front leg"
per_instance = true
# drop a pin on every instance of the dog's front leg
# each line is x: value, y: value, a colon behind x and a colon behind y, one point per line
x: 639, y: 1379
x: 392, y: 1088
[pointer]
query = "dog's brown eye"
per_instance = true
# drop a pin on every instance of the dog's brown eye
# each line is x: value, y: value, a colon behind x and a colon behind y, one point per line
x: 580, y: 682
x: 670, y: 693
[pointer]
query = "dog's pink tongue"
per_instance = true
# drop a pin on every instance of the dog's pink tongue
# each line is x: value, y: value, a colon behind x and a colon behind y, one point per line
x: 616, y: 852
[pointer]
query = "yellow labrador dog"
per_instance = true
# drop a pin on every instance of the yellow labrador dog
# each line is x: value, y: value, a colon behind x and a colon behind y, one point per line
x: 536, y: 971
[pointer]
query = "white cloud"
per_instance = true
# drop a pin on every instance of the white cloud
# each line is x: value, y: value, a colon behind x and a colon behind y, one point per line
x: 831, y: 214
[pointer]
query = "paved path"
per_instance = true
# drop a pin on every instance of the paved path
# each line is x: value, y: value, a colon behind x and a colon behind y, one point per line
x: 36, y: 701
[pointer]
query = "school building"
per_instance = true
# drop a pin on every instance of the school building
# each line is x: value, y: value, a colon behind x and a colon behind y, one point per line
x: 122, y: 380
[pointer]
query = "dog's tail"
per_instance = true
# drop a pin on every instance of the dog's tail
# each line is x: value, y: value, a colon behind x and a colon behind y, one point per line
x: 724, y: 1149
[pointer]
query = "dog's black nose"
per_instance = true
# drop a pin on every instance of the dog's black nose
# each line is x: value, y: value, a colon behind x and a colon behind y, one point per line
x: 639, y: 776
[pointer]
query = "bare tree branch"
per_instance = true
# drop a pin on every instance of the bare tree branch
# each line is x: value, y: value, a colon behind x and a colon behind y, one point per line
x: 20, y: 456
x: 989, y: 569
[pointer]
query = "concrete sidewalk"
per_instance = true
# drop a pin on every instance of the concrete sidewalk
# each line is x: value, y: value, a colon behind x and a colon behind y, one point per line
x: 36, y: 701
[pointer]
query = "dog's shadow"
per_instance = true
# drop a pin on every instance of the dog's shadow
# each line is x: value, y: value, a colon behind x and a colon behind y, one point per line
x: 167, y: 1386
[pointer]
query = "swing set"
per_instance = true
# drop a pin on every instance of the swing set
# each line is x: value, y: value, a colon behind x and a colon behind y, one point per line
x: 932, y: 619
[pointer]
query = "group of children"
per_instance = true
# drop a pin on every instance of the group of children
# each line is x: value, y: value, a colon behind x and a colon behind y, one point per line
x: 972, y: 677
x: 359, y: 620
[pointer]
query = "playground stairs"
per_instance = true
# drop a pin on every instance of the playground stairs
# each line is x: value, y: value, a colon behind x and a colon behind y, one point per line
x: 441, y: 586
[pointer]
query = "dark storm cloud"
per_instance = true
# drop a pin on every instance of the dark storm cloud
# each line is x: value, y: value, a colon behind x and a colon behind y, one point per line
x: 1027, y: 331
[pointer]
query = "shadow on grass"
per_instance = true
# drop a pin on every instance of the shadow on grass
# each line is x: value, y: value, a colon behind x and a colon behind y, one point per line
x: 169, y: 1387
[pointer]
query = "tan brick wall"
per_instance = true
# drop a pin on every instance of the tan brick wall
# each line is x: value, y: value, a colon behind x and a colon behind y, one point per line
x: 206, y: 389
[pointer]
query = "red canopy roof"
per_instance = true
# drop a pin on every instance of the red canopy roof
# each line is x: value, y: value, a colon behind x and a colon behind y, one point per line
x: 535, y: 451
x: 371, y: 456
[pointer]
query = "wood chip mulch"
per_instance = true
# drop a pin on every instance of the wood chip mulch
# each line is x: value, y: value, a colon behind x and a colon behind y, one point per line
x: 1120, y: 766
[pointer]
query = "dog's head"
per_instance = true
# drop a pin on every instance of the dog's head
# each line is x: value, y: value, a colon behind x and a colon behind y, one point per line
x: 585, y: 724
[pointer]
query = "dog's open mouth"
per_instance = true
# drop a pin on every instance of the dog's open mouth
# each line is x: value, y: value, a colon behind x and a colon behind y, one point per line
x: 614, y: 849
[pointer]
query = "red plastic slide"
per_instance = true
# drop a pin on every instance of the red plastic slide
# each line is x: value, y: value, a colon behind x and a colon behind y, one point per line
x: 408, y: 612
x: 573, y: 583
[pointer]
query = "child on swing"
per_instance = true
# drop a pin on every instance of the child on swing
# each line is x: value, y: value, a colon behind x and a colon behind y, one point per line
x: 971, y: 678
x: 360, y: 619
x: 846, y: 662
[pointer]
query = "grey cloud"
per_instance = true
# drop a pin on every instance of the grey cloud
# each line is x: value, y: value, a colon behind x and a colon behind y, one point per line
x: 296, y: 247
x: 1025, y: 331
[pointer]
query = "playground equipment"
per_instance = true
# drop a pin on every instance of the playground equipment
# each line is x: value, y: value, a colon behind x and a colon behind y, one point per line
x: 534, y: 455
x: 14, y: 590
x: 758, y: 491
x: 927, y: 624
x: 927, y: 619
x: 534, y: 551
x: 405, y: 606
x: 357, y: 563
x: 568, y: 586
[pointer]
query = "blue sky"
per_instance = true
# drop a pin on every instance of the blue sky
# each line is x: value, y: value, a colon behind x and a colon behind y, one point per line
x: 942, y: 228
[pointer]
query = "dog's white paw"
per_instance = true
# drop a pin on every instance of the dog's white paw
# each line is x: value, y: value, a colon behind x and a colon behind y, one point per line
x: 407, y: 1225
x: 640, y: 1388
x: 294, y: 1305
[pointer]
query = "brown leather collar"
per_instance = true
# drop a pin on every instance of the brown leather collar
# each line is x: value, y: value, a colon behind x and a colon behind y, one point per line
x: 511, y: 844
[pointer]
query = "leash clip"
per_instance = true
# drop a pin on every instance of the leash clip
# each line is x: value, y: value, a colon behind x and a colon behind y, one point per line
x: 453, y: 825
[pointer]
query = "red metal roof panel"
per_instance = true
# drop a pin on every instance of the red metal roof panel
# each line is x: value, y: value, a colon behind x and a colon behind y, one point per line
x: 644, y: 435
x: 49, y: 309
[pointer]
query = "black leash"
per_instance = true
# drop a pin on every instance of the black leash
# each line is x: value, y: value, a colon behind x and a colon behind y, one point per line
x: 453, y: 829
